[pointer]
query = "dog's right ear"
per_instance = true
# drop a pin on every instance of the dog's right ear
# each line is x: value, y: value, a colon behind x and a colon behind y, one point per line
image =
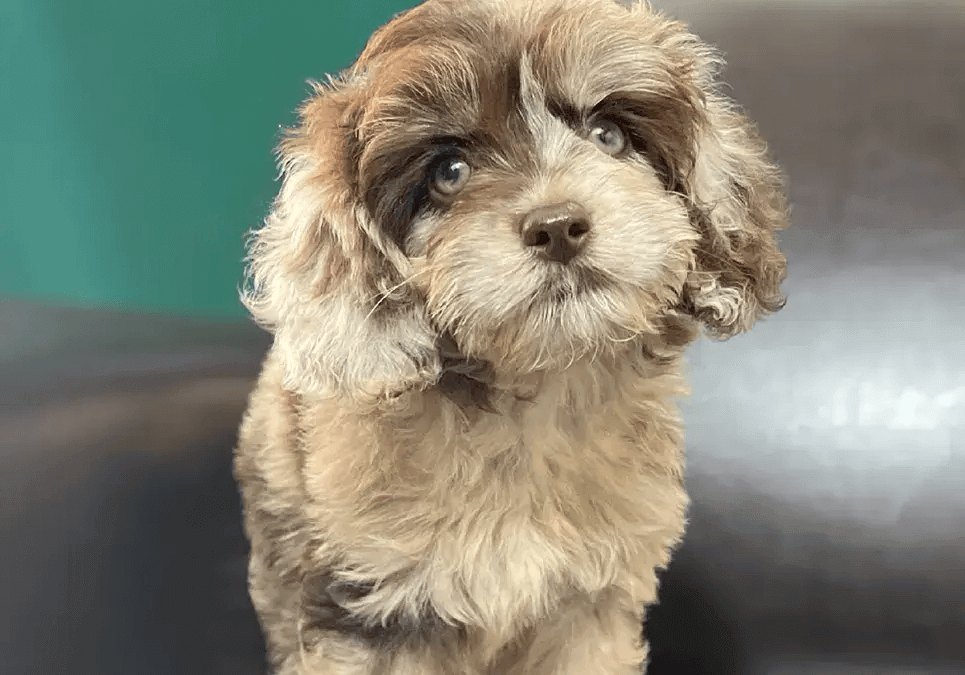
x: 323, y: 280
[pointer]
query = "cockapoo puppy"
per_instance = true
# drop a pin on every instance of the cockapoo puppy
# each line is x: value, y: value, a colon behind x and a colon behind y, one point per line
x: 496, y: 234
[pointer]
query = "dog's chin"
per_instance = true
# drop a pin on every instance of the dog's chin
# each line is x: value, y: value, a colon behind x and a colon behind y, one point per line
x: 559, y: 326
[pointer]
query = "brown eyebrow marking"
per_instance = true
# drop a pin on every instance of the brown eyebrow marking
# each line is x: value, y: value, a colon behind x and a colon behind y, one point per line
x: 565, y: 111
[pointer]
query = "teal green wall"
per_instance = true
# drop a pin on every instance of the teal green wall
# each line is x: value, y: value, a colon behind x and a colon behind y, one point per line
x: 136, y: 139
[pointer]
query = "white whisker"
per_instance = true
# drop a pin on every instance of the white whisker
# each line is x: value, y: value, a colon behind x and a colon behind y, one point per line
x: 385, y: 294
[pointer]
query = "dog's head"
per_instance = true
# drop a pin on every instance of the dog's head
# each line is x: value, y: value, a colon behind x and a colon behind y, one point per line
x: 534, y: 181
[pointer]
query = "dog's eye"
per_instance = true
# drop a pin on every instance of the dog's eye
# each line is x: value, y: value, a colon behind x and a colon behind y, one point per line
x: 450, y: 176
x: 608, y: 137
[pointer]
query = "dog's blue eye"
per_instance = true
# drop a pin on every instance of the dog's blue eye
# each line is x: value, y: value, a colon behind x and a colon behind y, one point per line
x: 608, y: 137
x: 450, y: 176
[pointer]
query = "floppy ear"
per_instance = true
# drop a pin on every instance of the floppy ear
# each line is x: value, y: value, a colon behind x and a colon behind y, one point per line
x: 737, y: 204
x: 322, y: 278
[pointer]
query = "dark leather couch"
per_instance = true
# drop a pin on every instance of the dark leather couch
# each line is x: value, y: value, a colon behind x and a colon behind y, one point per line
x: 827, y: 460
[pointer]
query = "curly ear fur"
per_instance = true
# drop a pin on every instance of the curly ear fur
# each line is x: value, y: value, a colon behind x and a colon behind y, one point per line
x: 738, y: 204
x: 733, y: 189
x: 323, y: 278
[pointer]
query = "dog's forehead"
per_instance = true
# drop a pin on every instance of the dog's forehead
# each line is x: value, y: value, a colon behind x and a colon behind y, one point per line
x: 447, y: 69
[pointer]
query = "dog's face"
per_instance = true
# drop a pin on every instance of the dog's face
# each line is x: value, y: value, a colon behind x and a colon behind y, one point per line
x: 537, y: 180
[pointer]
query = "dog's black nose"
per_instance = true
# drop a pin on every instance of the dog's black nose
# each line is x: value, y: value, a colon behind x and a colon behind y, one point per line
x: 557, y: 232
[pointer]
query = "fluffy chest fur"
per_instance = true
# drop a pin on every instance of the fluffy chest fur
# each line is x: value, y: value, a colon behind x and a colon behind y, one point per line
x: 500, y: 514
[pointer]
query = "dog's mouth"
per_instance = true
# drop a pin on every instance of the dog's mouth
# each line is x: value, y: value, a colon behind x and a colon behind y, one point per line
x: 571, y: 282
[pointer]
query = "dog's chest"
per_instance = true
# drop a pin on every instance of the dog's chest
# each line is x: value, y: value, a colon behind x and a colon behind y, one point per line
x: 507, y: 523
x: 494, y: 525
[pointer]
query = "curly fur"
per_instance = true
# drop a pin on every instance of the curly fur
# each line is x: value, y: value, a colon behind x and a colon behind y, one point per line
x: 462, y: 458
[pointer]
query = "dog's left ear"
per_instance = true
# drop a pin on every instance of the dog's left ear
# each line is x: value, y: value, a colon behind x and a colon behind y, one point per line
x: 737, y: 202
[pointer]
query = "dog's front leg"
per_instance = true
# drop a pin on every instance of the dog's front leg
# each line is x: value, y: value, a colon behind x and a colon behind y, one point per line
x: 588, y: 636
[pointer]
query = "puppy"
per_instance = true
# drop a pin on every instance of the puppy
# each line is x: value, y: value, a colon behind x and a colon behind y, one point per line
x: 496, y: 234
